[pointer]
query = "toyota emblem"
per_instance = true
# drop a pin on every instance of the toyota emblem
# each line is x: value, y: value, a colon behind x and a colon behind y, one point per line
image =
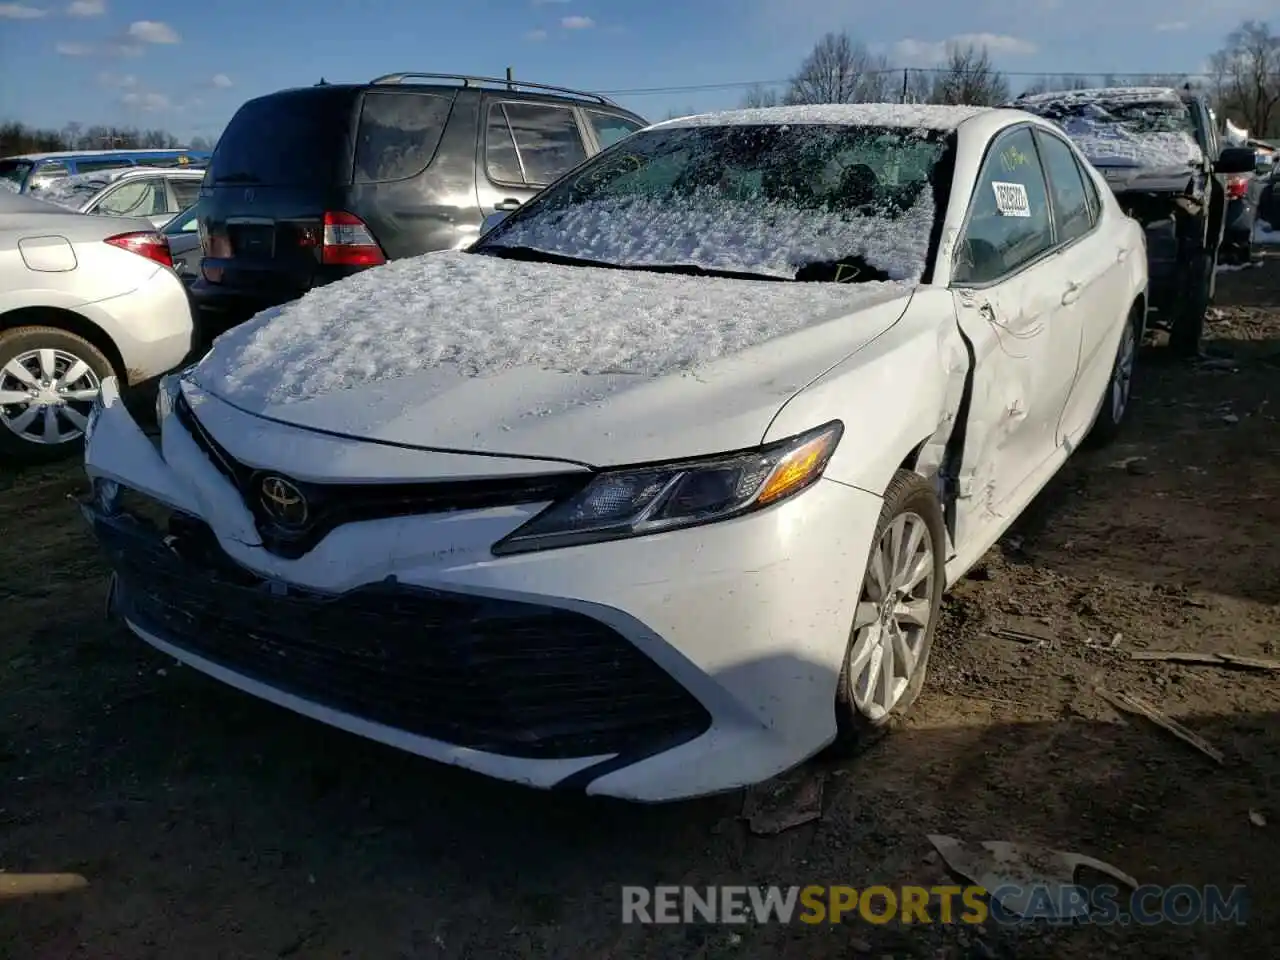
x: 283, y: 502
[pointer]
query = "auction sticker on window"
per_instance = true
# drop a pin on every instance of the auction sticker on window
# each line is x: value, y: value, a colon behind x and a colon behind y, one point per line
x: 1011, y: 199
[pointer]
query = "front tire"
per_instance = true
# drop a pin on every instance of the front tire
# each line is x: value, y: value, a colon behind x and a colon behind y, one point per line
x: 888, y: 653
x: 1188, y: 324
x: 49, y: 379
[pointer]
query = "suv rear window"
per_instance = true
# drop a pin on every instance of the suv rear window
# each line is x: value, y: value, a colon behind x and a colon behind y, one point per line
x: 298, y: 137
x: 398, y: 134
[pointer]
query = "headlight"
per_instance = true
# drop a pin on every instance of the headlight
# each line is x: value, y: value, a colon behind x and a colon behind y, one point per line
x: 636, y: 501
x: 167, y: 391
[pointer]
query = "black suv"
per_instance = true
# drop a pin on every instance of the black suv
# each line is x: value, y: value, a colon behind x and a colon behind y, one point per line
x: 310, y: 185
x: 1136, y: 137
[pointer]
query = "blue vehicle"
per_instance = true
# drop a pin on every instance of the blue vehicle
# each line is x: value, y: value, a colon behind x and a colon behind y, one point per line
x: 33, y: 170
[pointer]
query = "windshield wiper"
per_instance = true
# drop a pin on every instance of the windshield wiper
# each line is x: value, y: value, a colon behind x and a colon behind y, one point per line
x: 688, y: 269
x: 238, y: 177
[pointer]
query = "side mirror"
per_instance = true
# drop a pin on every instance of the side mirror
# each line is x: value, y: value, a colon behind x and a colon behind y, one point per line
x: 491, y: 221
x: 1236, y: 160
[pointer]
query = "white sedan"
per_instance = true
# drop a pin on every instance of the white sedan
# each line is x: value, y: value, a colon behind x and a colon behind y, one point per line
x: 655, y: 491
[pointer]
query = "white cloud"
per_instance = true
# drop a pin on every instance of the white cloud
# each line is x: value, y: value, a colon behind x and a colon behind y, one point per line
x: 536, y: 35
x: 153, y: 31
x: 87, y: 8
x: 221, y: 80
x: 66, y: 49
x: 147, y: 102
x: 912, y: 52
x: 577, y: 23
x: 124, y: 82
x: 1172, y: 26
x: 20, y: 11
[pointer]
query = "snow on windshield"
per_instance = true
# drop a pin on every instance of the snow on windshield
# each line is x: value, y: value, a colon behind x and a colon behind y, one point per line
x: 480, y: 315
x: 1141, y: 126
x: 768, y: 199
x: 74, y: 191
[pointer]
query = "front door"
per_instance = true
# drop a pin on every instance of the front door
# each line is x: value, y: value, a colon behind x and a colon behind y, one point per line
x: 1013, y: 304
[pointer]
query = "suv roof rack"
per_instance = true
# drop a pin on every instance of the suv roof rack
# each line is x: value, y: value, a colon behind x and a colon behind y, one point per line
x: 509, y: 83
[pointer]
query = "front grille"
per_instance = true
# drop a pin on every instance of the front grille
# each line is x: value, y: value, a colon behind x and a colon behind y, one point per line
x: 334, y: 504
x: 510, y: 678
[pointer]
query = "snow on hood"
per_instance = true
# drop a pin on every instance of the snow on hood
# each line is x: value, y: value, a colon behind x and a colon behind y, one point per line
x: 1121, y: 126
x: 720, y: 233
x: 468, y: 315
x: 77, y: 189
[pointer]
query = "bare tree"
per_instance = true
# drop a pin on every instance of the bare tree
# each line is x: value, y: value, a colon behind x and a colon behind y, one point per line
x: 1055, y: 84
x: 1246, y: 74
x: 761, y: 96
x: 968, y: 76
x: 840, y: 69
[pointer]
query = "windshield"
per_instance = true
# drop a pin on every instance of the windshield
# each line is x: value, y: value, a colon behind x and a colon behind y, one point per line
x: 1133, y: 127
x: 13, y: 172
x: 74, y: 191
x: 824, y: 202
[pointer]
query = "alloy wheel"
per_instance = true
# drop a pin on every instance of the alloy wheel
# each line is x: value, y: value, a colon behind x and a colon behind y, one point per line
x: 46, y: 395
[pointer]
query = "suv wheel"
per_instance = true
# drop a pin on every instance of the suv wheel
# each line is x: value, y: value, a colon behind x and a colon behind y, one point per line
x: 1194, y: 294
x: 49, y: 379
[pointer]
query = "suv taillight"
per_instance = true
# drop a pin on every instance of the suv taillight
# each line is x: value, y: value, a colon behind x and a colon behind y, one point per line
x: 1237, y: 187
x: 145, y: 243
x: 348, y: 242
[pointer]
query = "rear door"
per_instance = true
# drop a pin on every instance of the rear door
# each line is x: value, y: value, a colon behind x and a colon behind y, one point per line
x: 524, y: 146
x: 283, y: 160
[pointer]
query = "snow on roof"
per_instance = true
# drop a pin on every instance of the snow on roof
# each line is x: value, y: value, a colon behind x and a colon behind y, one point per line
x: 1110, y: 128
x: 76, y: 190
x: 911, y: 115
x: 127, y: 152
x: 1116, y: 94
x: 479, y: 314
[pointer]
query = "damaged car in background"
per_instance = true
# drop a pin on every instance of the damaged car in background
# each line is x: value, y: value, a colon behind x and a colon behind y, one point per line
x: 1160, y: 154
x: 653, y: 491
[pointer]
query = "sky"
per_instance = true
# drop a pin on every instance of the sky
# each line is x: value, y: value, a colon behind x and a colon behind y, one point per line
x: 185, y: 67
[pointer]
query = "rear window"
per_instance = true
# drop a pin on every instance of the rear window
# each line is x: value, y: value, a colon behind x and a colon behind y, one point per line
x: 294, y: 138
x: 398, y: 134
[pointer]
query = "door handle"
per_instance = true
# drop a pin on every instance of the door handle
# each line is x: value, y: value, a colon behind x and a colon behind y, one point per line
x: 1072, y: 294
x: 510, y: 203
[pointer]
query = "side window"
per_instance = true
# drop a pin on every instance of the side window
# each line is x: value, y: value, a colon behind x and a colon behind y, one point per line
x: 185, y: 192
x: 1091, y: 194
x: 92, y: 166
x: 1008, y: 213
x: 546, y: 139
x: 137, y: 198
x: 398, y: 134
x: 1070, y: 202
x: 610, y: 129
x: 51, y: 169
x: 500, y: 157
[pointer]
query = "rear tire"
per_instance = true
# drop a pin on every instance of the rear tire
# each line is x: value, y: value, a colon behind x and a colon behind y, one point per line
x: 1115, y: 401
x: 49, y: 378
x: 897, y: 614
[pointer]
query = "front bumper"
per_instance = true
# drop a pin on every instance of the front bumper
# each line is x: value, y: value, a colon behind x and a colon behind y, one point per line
x: 650, y: 669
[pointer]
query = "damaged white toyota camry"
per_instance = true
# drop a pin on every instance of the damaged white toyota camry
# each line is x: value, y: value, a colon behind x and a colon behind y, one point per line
x: 655, y: 490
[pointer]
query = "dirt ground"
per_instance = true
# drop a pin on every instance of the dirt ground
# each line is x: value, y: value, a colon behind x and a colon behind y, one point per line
x: 211, y: 825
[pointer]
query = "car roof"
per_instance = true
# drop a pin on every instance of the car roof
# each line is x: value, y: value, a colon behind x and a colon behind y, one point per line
x: 73, y: 154
x: 1134, y: 94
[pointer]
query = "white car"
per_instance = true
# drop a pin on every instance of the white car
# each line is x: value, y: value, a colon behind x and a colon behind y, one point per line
x: 156, y: 194
x: 83, y: 299
x: 654, y: 492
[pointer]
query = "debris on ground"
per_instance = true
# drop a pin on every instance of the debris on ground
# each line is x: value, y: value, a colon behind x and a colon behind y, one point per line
x: 1212, y: 659
x: 14, y: 885
x: 1132, y: 704
x: 1024, y: 630
x: 784, y: 803
x: 1015, y: 873
x: 1257, y: 819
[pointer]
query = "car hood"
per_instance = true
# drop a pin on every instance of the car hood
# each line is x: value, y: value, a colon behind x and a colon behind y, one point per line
x: 469, y: 353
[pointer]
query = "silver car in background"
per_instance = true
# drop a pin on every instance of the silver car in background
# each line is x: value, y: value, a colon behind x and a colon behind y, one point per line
x: 156, y: 194
x: 82, y: 298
